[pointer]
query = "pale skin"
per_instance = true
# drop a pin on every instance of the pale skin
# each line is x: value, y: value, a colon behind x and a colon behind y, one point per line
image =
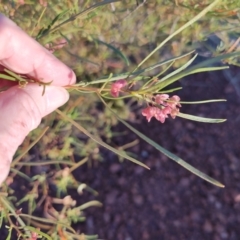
x: 21, y: 109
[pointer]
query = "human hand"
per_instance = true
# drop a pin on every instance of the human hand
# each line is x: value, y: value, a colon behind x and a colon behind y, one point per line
x: 21, y: 109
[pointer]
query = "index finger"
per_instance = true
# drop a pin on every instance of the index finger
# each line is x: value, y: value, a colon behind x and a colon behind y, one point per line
x: 22, y: 54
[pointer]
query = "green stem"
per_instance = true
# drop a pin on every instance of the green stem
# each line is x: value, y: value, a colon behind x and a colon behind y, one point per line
x: 189, y: 23
x: 5, y: 202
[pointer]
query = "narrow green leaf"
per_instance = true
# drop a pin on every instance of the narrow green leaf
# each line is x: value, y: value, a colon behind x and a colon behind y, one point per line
x: 7, y: 77
x: 204, y: 101
x: 103, y: 80
x: 168, y: 81
x: 178, y: 70
x: 189, y: 23
x: 61, y: 14
x: 166, y: 152
x: 32, y: 229
x: 23, y: 175
x: 135, y: 74
x: 7, y: 204
x: 115, y: 50
x: 200, y: 119
x: 44, y: 31
x: 171, y: 90
x: 214, y: 60
x: 162, y: 63
x: 1, y: 218
x: 45, y: 220
x: 45, y: 163
x: 100, y: 142
x: 9, y: 233
x: 17, y: 159
x: 107, y: 96
x: 92, y: 203
x: 206, y: 69
x: 65, y: 37
x: 73, y: 17
x: 16, y: 76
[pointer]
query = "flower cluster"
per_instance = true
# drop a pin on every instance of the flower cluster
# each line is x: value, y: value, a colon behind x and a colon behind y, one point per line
x: 163, y: 106
x: 117, y: 86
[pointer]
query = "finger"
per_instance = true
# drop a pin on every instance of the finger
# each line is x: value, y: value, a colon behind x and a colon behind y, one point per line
x: 22, y: 54
x: 21, y: 111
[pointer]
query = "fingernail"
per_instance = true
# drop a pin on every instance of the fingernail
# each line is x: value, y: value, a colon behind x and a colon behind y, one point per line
x: 72, y: 77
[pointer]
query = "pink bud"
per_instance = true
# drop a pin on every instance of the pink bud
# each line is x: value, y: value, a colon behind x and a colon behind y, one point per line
x: 174, y: 112
x: 148, y: 112
x: 160, y: 115
x: 117, y: 86
x: 160, y: 98
x: 174, y: 101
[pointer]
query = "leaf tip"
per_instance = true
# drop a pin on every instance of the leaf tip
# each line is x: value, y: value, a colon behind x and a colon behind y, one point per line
x: 223, y: 120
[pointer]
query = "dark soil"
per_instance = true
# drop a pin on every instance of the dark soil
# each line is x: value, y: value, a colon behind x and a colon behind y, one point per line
x: 168, y: 202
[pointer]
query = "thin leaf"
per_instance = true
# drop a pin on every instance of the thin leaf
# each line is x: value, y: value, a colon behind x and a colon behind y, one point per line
x: 16, y: 76
x: 78, y: 164
x: 107, y: 96
x: 180, y: 69
x: 189, y: 23
x: 168, y: 81
x: 204, y: 101
x: 74, y: 17
x: 32, y: 229
x: 7, y: 77
x: 162, y: 63
x: 42, y: 163
x: 58, y: 17
x: 39, y: 20
x: 214, y: 60
x: 100, y: 142
x: 135, y: 74
x: 171, y: 90
x: 9, y: 233
x: 45, y: 31
x: 166, y: 152
x: 1, y: 218
x: 23, y: 175
x: 17, y: 159
x: 114, y: 78
x: 200, y: 119
x: 8, y: 205
x: 154, y: 78
x: 115, y: 50
x: 45, y: 220
x: 92, y: 203
x: 206, y: 69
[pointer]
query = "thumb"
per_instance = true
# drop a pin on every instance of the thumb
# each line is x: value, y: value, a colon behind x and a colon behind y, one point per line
x: 21, y: 111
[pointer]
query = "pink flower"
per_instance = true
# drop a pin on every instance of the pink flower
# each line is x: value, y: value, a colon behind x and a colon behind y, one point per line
x: 174, y: 101
x: 149, y: 112
x: 167, y: 110
x: 117, y: 86
x: 160, y: 115
x: 174, y: 112
x: 161, y: 98
x: 169, y: 106
x: 156, y: 112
